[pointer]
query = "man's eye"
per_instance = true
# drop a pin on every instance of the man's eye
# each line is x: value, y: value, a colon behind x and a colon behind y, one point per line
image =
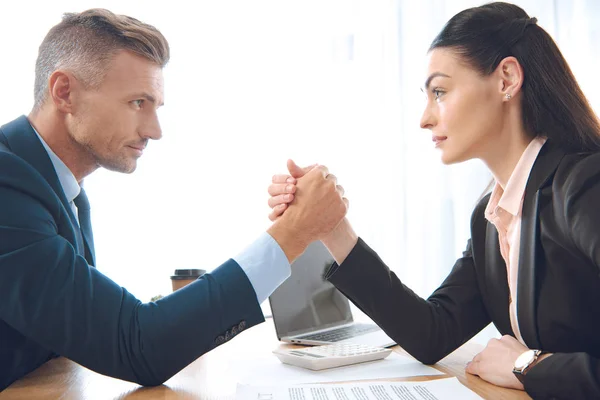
x: 138, y: 103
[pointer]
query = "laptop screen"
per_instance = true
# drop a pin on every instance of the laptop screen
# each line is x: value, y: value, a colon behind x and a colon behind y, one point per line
x: 306, y: 302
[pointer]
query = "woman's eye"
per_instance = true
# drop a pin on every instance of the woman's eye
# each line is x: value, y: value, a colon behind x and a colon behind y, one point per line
x: 437, y: 93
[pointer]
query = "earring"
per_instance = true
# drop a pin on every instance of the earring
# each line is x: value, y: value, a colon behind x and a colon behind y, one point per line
x: 508, y: 96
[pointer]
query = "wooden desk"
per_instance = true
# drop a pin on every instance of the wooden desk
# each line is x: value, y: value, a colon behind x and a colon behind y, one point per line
x: 206, y: 378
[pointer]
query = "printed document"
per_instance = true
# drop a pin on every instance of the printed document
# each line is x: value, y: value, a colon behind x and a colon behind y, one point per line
x: 439, y: 389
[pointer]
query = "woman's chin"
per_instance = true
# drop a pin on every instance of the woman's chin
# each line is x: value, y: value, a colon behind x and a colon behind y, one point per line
x: 449, y: 157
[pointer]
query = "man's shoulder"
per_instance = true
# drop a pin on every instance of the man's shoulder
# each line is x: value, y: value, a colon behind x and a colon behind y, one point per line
x: 20, y: 180
x: 10, y: 162
x: 12, y: 167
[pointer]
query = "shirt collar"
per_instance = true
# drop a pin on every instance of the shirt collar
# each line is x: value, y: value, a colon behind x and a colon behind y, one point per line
x: 510, y: 198
x: 66, y: 178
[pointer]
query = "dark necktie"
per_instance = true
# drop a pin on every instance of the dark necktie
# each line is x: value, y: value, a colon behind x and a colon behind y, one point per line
x: 85, y: 223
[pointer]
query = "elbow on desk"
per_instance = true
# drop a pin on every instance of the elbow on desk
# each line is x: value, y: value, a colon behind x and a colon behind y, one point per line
x: 427, y: 357
x: 153, y: 379
x: 150, y: 382
x: 426, y: 354
x: 428, y: 346
x: 154, y: 372
x: 150, y: 365
x: 149, y: 353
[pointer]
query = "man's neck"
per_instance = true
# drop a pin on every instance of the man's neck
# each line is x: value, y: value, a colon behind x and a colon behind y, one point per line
x: 52, y: 129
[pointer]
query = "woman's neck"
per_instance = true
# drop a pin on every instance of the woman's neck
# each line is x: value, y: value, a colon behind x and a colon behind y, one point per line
x: 502, y: 162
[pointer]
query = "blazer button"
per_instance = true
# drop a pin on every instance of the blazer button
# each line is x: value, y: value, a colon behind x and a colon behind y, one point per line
x: 227, y: 336
x: 242, y: 326
x: 219, y: 340
x: 234, y: 331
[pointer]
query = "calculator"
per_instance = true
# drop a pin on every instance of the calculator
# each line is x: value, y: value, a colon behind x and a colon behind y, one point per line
x: 330, y: 356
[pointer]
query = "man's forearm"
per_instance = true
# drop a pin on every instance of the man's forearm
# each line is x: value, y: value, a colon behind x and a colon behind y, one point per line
x: 289, y: 239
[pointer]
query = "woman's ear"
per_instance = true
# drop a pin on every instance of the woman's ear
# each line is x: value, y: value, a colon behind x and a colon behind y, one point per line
x: 510, y: 74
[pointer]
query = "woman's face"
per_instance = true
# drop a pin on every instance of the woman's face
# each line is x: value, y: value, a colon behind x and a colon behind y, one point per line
x: 464, y: 108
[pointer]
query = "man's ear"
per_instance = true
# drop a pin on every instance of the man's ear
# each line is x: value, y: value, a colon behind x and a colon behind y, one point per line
x: 62, y: 86
x: 511, y: 77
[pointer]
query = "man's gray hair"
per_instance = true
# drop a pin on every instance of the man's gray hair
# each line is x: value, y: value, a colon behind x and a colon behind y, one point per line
x: 85, y: 44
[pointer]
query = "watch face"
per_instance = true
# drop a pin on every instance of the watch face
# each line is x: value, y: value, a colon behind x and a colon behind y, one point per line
x: 525, y: 359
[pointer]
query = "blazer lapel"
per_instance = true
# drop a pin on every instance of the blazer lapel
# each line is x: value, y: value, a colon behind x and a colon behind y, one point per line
x: 22, y: 140
x: 530, y: 255
x: 496, y: 274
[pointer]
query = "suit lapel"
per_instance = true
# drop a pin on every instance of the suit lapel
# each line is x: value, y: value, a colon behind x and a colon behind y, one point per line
x: 486, y: 252
x: 22, y: 140
x: 496, y: 273
x: 530, y: 246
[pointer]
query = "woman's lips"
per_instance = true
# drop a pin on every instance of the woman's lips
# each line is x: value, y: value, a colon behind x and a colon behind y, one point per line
x: 438, y: 139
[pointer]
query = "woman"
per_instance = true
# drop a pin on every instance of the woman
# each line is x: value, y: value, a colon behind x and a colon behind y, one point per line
x: 498, y: 89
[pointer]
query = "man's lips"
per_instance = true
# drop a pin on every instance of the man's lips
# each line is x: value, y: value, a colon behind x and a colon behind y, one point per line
x: 138, y: 149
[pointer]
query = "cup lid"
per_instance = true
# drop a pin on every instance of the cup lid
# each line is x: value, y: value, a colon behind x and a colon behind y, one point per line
x: 188, y: 273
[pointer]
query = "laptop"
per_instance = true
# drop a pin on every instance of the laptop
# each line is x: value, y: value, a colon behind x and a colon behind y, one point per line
x: 309, y: 310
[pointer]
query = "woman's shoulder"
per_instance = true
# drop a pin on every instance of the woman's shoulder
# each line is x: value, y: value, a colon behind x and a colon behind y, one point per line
x: 576, y: 175
x: 577, y: 172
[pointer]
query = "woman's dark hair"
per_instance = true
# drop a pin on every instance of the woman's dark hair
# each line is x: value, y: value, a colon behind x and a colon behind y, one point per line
x: 553, y: 103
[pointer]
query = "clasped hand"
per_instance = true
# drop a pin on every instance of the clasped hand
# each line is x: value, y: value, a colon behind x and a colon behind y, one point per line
x: 310, y: 197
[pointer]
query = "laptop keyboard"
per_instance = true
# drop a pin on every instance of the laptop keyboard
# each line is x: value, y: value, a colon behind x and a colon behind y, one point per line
x: 346, y: 332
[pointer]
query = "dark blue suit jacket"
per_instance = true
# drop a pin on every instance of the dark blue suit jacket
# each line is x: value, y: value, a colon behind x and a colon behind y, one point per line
x: 54, y: 302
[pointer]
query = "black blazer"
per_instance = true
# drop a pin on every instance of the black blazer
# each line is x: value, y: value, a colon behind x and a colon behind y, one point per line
x: 558, y: 293
x: 52, y: 301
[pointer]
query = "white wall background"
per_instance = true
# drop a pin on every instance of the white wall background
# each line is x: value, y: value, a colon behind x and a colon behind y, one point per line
x: 252, y: 83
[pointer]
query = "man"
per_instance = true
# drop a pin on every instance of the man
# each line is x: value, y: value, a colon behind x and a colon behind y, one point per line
x: 98, y: 86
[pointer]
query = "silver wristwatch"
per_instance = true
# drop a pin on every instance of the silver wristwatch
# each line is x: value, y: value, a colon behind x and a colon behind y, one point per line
x: 524, y: 362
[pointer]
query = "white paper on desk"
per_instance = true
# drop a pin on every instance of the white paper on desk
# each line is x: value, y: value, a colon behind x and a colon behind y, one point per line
x: 268, y: 370
x: 439, y: 389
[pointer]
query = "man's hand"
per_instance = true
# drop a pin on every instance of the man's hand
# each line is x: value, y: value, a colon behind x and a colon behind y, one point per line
x: 283, y: 187
x: 318, y: 208
x: 339, y: 241
x: 495, y: 363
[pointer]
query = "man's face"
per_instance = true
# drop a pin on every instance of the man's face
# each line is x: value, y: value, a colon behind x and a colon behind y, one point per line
x: 113, y: 123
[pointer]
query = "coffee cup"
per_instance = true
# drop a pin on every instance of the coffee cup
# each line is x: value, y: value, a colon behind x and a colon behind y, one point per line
x: 183, y: 277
